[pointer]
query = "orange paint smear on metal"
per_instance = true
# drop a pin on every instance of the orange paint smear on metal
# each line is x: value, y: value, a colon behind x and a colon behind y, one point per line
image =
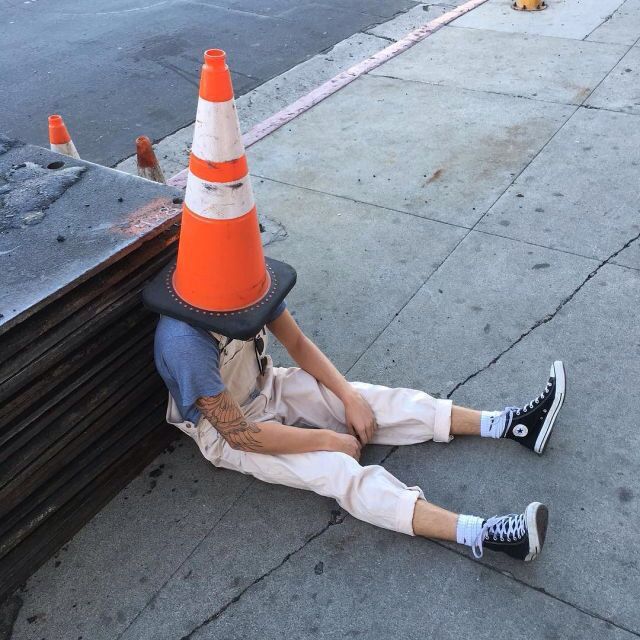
x: 155, y: 215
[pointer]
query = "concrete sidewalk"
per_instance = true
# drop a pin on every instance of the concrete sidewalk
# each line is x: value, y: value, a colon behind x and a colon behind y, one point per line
x: 459, y: 218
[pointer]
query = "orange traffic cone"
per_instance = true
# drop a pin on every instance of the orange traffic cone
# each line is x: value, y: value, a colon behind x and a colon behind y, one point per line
x: 221, y: 281
x: 148, y: 165
x: 59, y: 138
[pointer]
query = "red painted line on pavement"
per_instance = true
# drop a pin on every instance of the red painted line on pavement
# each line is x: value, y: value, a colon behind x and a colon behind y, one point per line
x: 282, y: 117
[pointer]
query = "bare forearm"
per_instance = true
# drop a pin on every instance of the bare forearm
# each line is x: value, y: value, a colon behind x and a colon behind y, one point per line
x: 273, y: 437
x: 359, y: 417
x: 309, y: 357
x: 259, y: 437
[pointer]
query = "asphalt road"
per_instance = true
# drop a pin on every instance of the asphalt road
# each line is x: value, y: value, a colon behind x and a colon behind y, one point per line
x: 120, y: 68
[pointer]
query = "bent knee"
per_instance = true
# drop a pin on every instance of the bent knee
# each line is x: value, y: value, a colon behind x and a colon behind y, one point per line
x: 341, y: 475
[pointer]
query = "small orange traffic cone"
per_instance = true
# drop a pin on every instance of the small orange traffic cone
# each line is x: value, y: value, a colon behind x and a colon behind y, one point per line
x: 529, y: 5
x: 59, y: 138
x: 148, y: 165
x: 221, y: 280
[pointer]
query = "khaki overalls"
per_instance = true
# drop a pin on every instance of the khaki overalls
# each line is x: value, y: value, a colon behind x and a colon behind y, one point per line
x: 293, y: 397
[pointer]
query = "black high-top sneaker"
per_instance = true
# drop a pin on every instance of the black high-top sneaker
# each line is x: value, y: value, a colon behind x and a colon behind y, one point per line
x: 531, y: 425
x: 519, y: 536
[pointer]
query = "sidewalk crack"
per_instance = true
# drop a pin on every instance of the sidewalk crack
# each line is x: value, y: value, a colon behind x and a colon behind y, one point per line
x: 195, y: 548
x: 335, y: 520
x: 338, y: 516
x: 377, y: 35
x: 546, y: 318
x: 493, y: 92
x: 401, y: 309
x: 541, y: 590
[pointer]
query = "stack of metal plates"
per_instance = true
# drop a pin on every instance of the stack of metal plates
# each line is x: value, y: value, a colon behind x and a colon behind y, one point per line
x: 81, y: 407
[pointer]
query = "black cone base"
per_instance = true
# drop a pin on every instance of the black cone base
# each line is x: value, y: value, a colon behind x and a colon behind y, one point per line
x: 160, y: 296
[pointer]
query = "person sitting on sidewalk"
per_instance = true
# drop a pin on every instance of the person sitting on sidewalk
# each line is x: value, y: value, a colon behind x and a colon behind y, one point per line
x: 244, y: 414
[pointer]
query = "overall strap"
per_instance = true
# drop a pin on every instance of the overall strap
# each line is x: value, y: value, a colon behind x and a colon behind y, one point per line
x: 258, y: 345
x: 223, y: 341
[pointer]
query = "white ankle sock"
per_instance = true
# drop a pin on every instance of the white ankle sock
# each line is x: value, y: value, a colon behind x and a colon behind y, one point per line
x: 493, y: 424
x: 468, y: 529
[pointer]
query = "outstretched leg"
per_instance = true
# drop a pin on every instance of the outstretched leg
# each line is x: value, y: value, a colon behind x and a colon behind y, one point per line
x: 374, y: 495
x: 530, y: 425
x: 405, y: 416
x: 409, y: 416
x: 521, y: 536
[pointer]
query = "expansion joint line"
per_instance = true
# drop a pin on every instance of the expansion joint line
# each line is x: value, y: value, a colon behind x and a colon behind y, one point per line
x: 213, y: 617
x: 546, y: 318
x: 541, y: 590
x: 193, y: 550
x: 550, y: 316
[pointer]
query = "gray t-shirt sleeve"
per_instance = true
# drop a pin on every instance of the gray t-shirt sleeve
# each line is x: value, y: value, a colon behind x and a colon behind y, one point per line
x: 193, y: 364
x: 277, y: 312
x: 188, y: 359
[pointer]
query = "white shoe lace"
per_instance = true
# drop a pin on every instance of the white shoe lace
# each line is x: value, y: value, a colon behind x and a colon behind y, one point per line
x: 516, y: 411
x: 507, y: 528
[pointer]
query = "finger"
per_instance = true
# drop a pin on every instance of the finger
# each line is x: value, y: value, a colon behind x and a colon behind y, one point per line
x: 363, y: 436
x: 370, y: 430
x: 356, y: 431
x: 351, y: 430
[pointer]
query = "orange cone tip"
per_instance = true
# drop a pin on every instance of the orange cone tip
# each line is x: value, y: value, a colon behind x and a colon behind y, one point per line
x: 148, y: 165
x: 59, y: 139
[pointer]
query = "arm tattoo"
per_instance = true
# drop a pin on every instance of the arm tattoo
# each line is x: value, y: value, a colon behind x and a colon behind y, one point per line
x: 223, y: 412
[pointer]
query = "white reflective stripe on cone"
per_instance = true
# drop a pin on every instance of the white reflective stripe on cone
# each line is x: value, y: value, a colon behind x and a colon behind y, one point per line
x: 219, y: 200
x: 216, y: 136
x: 67, y: 149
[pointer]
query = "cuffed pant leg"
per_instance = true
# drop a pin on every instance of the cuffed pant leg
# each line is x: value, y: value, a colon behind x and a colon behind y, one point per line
x: 407, y: 416
x: 368, y: 493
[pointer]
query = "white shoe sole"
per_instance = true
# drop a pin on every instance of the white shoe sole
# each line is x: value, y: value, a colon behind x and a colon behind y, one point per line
x: 557, y: 370
x: 537, y: 517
